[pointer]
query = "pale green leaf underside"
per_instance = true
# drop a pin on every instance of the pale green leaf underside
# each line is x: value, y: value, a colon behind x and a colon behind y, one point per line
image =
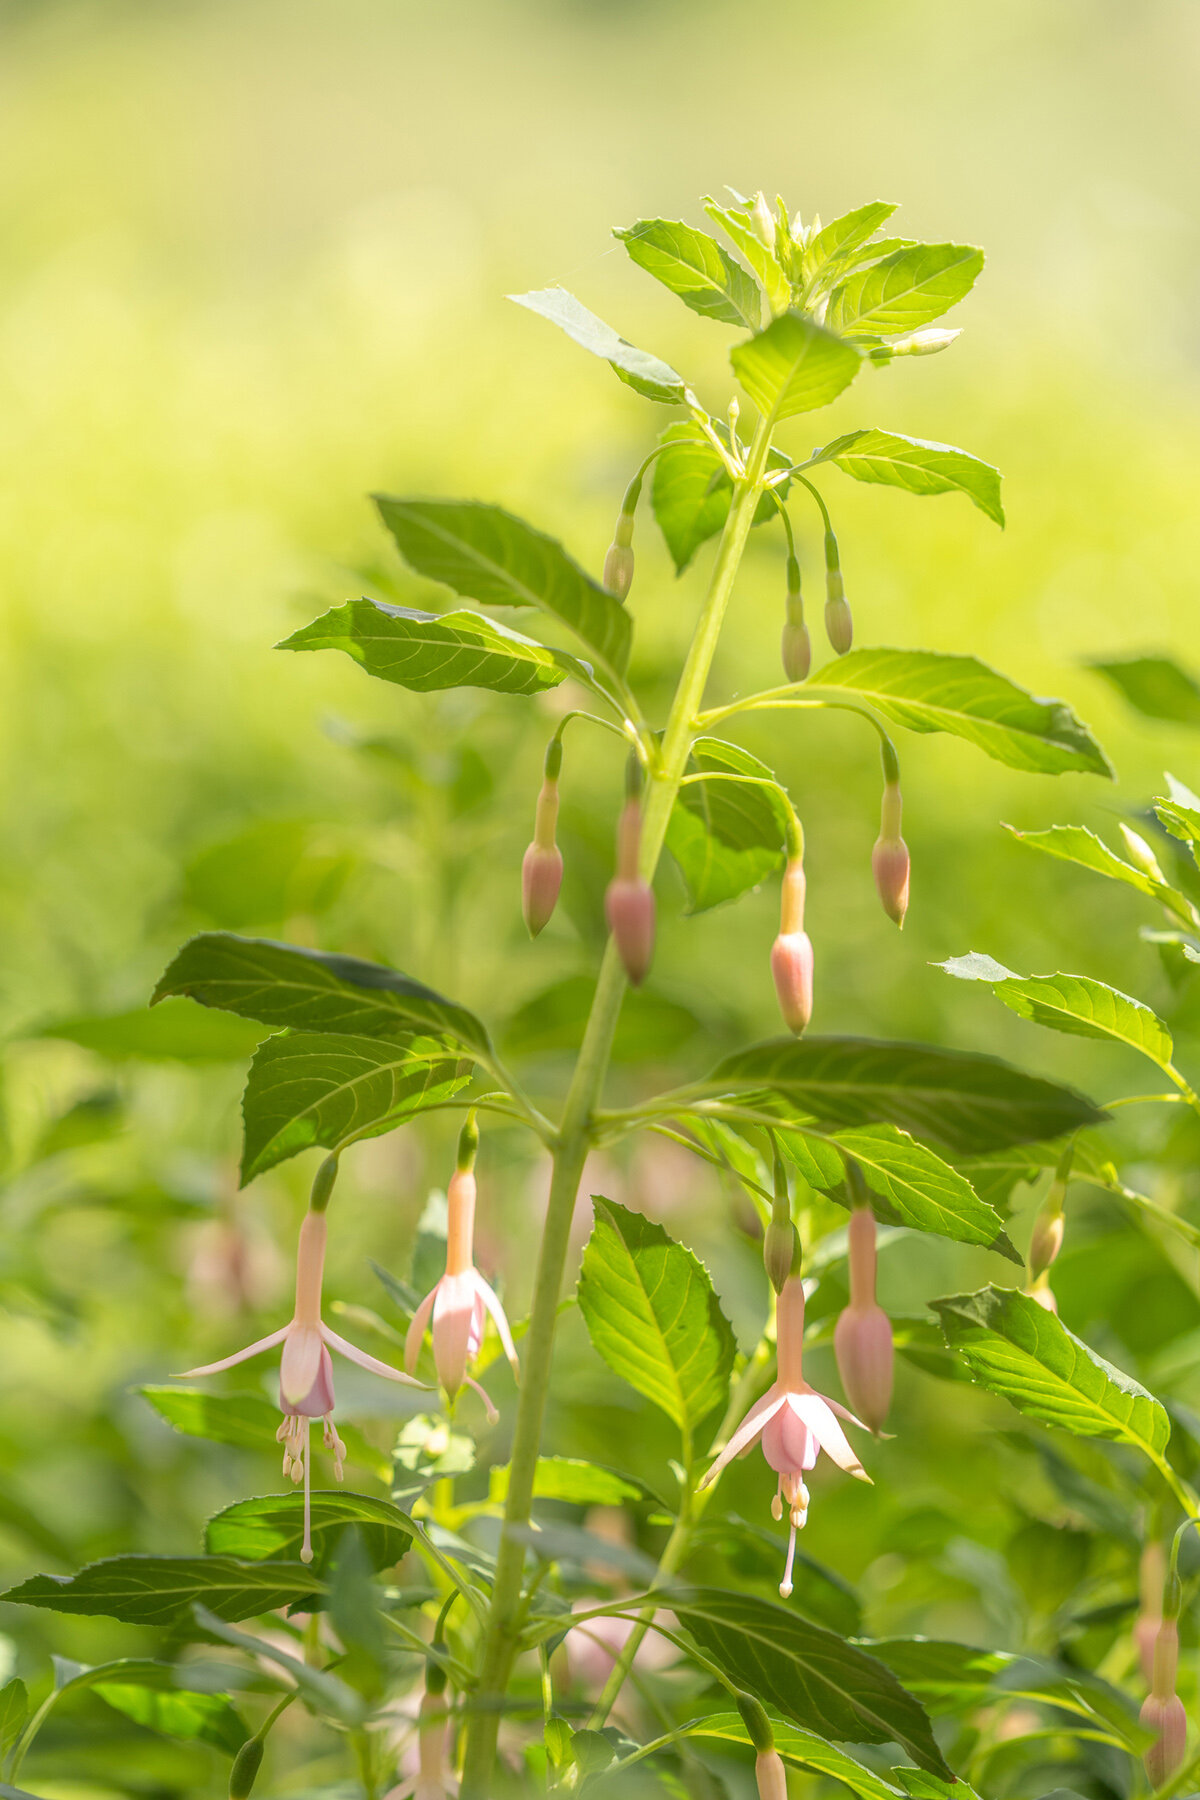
x: 649, y: 375
x: 793, y: 366
x: 694, y: 266
x: 1019, y: 1350
x: 1155, y: 686
x: 905, y: 290
x: 1072, y: 1003
x: 651, y: 1313
x: 916, y: 465
x: 202, y: 1718
x: 307, y: 1088
x: 926, y: 690
x: 726, y: 834
x: 570, y: 1479
x: 487, y: 554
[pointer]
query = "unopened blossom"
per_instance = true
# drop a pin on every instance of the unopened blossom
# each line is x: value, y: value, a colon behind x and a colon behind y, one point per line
x: 795, y: 646
x: 792, y: 951
x: 795, y: 1424
x: 770, y: 1776
x: 433, y: 1781
x: 542, y: 869
x: 862, y: 1337
x: 1162, y: 1710
x: 629, y: 899
x: 1152, y: 1570
x: 890, y: 863
x: 457, y: 1303
x: 306, y: 1369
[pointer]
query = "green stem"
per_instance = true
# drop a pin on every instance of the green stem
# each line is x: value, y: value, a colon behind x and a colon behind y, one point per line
x: 574, y: 1140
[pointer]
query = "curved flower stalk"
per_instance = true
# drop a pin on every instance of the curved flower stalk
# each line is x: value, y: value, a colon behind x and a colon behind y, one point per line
x: 457, y: 1303
x: 305, y: 1368
x: 795, y: 1424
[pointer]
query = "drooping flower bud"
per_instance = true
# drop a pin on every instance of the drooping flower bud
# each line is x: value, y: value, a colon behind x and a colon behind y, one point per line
x: 889, y: 858
x: 769, y: 1772
x: 839, y: 621
x: 925, y: 343
x: 1152, y: 1569
x: 763, y: 220
x: 246, y: 1765
x: 795, y: 645
x: 1140, y: 854
x: 629, y: 901
x: 1162, y: 1711
x: 1047, y: 1237
x: 618, y: 562
x: 862, y: 1337
x: 781, y: 1240
x: 542, y: 868
x: 792, y: 951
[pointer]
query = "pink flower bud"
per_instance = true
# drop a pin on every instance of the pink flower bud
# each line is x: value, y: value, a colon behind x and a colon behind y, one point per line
x: 541, y: 879
x: 1165, y: 1717
x: 1046, y: 1241
x: 629, y: 909
x: 1152, y: 1570
x: 862, y: 1340
x: 890, y: 866
x: 796, y: 650
x: 770, y: 1775
x: 618, y: 569
x: 792, y: 971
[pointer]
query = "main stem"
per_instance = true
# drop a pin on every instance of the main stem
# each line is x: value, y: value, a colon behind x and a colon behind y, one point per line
x: 574, y: 1139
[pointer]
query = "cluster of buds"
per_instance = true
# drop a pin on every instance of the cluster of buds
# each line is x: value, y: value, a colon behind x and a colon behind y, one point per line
x: 629, y: 900
x: 1047, y: 1237
x: 542, y: 869
x: 795, y: 645
x: 792, y: 951
x: 769, y: 1773
x: 839, y: 621
x: 1162, y: 1710
x: 618, y: 561
x: 862, y: 1338
x: 889, y: 857
x: 457, y: 1303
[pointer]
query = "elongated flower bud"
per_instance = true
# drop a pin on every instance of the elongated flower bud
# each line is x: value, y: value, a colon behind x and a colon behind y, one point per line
x: 1046, y: 1241
x: 925, y: 343
x: 542, y: 868
x: 1141, y: 854
x: 629, y: 901
x: 839, y: 621
x: 781, y: 1241
x: 792, y: 951
x: 763, y: 220
x: 863, y: 1335
x: 618, y: 563
x: 889, y: 857
x: 246, y: 1765
x: 1162, y: 1711
x: 795, y: 645
x: 1152, y: 1569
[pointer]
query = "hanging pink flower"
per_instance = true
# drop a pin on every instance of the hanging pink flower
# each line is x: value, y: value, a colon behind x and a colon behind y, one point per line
x: 457, y: 1303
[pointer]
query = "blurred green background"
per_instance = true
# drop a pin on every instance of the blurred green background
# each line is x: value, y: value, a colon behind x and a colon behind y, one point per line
x: 254, y: 265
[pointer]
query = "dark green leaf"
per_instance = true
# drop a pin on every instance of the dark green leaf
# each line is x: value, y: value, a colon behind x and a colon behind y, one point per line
x: 651, y: 1312
x: 927, y: 691
x: 970, y: 1103
x: 914, y: 1187
x: 793, y: 366
x: 815, y: 1678
x: 906, y: 290
x: 204, y: 1718
x: 726, y: 834
x: 756, y: 1552
x: 1018, y: 1349
x: 692, y: 490
x: 487, y: 554
x: 1072, y: 1003
x: 695, y: 267
x: 426, y: 651
x: 272, y: 1528
x: 803, y: 1749
x: 1155, y: 686
x: 654, y: 379
x: 157, y: 1590
x: 173, y: 1033
x: 307, y: 1088
x: 282, y: 984
x: 917, y: 466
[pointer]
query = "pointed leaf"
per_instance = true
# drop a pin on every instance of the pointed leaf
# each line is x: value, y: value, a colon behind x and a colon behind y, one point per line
x: 928, y: 691
x: 567, y: 1478
x: 692, y: 490
x: 815, y: 1678
x: 793, y: 366
x: 247, y: 1421
x: 1076, y: 844
x: 1017, y: 1349
x: 726, y: 834
x: 14, y: 1710
x: 848, y: 233
x: 803, y: 1749
x: 200, y: 1718
x: 651, y: 1313
x: 176, y: 1032
x: 1072, y: 1003
x: 271, y: 1528
x: 736, y: 220
x: 1155, y: 686
x: 970, y: 1103
x: 487, y: 554
x: 307, y: 1088
x: 651, y: 377
x: 695, y: 267
x: 918, y: 466
x: 157, y: 1590
x: 912, y: 1186
x: 282, y: 984
x: 427, y: 651
x: 906, y: 290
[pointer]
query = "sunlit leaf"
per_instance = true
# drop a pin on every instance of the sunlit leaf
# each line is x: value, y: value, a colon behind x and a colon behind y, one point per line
x: 1076, y: 844
x: 1072, y: 1003
x: 272, y: 1528
x: 847, y: 233
x: 906, y: 290
x: 1024, y: 1353
x: 793, y: 366
x: 736, y: 221
x: 912, y: 1186
x: 649, y: 375
x: 307, y: 1088
x: 918, y: 466
x: 651, y: 1313
x: 157, y: 1590
x: 692, y: 489
x: 802, y: 1749
x: 1155, y: 686
x: 567, y: 1478
x: 927, y: 691
x: 728, y: 833
x: 695, y: 267
x: 14, y: 1710
x: 203, y: 1718
x: 172, y: 1032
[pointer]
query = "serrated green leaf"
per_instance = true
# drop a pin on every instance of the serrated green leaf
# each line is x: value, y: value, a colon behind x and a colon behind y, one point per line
x: 735, y: 220
x: 1072, y: 1003
x: 567, y: 1478
x: 692, y: 490
x: 793, y: 366
x: 199, y: 1718
x: 968, y: 1102
x: 307, y: 1088
x: 1019, y: 1350
x: 648, y: 375
x: 247, y: 1422
x: 158, y: 1590
x: 844, y: 235
x: 428, y: 651
x: 174, y: 1032
x: 905, y: 290
x: 282, y: 984
x: 913, y: 1187
x: 726, y: 834
x: 803, y: 1749
x: 694, y: 266
x: 916, y: 465
x: 1076, y: 844
x: 14, y: 1710
x: 816, y: 1679
x: 271, y: 1528
x: 651, y: 1313
x: 484, y: 553
x: 926, y: 690
x: 1155, y: 686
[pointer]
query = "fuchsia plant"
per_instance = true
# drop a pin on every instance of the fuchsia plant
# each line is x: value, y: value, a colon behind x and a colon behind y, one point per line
x: 915, y: 1138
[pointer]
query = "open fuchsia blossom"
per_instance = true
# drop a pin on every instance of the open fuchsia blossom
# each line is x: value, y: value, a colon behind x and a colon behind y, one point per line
x: 457, y: 1303
x: 305, y: 1368
x: 795, y: 1424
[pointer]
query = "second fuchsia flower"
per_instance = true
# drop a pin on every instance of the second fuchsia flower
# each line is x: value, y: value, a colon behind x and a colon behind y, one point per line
x: 456, y: 1305
x: 795, y: 1424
